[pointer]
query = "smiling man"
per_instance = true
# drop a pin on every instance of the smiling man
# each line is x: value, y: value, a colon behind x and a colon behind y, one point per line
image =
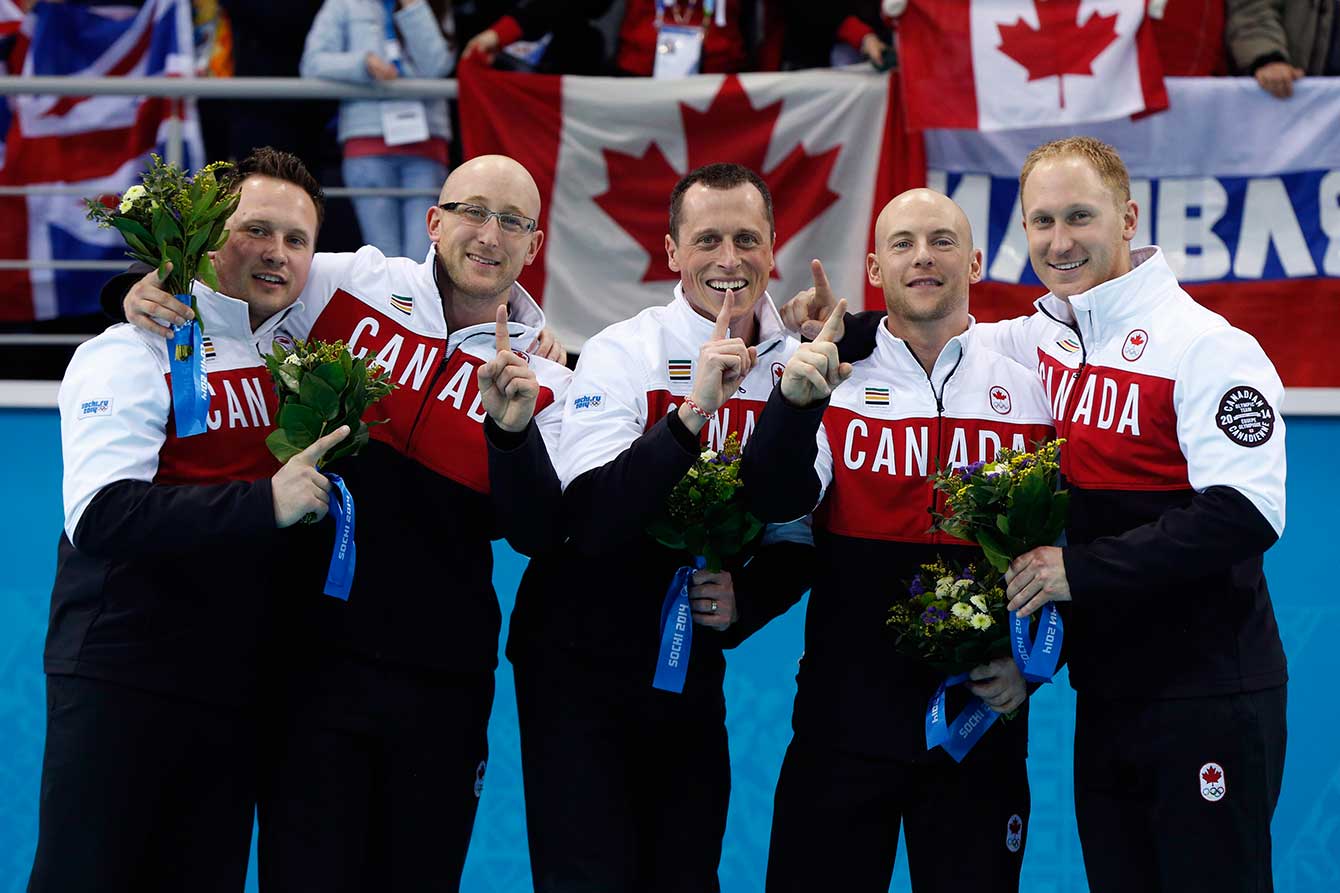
x: 627, y: 786
x: 860, y: 440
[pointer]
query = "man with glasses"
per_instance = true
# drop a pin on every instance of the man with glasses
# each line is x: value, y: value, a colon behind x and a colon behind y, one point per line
x: 380, y: 747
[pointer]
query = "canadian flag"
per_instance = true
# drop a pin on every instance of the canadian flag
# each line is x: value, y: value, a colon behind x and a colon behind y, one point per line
x: 606, y: 153
x: 1007, y: 64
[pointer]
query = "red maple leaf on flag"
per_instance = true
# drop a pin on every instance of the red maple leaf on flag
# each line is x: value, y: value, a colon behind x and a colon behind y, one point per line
x: 731, y: 129
x: 1137, y: 340
x: 1059, y: 45
x: 1211, y: 775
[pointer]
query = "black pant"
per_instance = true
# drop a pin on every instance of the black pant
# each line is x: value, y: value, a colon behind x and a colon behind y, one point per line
x: 836, y: 816
x: 1152, y: 817
x: 142, y: 791
x: 376, y: 778
x: 626, y: 787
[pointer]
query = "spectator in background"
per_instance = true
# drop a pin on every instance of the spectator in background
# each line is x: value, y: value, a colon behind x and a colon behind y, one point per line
x: 739, y: 35
x: 564, y: 41
x: 817, y: 35
x: 1279, y: 41
x: 399, y: 144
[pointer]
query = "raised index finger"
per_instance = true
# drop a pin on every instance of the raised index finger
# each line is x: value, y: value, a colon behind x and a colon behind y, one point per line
x: 834, y: 322
x: 501, y: 340
x: 313, y: 453
x: 823, y: 292
x: 722, y: 329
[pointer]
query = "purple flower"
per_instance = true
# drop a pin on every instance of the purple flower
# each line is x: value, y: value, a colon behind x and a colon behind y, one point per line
x: 969, y: 470
x: 966, y: 574
x: 916, y: 588
x: 932, y: 616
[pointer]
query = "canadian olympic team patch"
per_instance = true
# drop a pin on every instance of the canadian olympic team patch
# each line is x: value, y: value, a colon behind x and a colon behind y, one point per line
x: 1245, y: 417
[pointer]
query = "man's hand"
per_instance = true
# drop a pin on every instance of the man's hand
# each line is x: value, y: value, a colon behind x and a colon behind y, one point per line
x: 147, y: 300
x: 712, y: 597
x: 999, y: 684
x: 723, y: 363
x: 814, y: 370
x: 548, y: 346
x: 806, y: 313
x: 873, y: 49
x: 485, y: 45
x: 1277, y: 78
x: 298, y: 488
x: 1035, y: 578
x: 379, y: 68
x: 507, y: 384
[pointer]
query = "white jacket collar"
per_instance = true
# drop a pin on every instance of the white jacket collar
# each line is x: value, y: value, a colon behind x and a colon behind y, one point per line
x: 770, y: 328
x: 1116, y: 304
x: 892, y: 351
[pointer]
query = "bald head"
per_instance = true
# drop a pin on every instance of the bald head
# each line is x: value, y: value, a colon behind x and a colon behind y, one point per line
x: 922, y: 204
x: 505, y: 184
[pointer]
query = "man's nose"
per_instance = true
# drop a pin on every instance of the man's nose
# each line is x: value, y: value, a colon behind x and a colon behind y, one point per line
x: 276, y: 252
x: 1062, y: 240
x: 923, y: 256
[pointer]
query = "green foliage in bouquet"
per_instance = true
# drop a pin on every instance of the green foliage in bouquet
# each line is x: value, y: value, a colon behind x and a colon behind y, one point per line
x: 1008, y: 506
x: 953, y: 618
x: 321, y: 387
x: 170, y: 217
x: 705, y: 514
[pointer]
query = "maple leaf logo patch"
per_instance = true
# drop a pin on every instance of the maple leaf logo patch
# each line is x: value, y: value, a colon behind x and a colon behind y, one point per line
x: 1212, y: 783
x: 730, y: 129
x: 1059, y: 45
x: 1000, y: 400
x: 1014, y: 836
x: 1134, y: 347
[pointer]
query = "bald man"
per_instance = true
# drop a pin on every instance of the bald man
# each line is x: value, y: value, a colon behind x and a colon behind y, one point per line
x: 380, y: 715
x: 869, y: 433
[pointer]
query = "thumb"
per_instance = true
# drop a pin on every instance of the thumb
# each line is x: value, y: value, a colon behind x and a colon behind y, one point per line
x: 313, y: 453
x: 833, y: 329
x: 501, y: 340
x: 163, y: 272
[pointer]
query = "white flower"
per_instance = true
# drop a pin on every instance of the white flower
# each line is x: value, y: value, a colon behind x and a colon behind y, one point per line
x: 963, y: 611
x: 709, y: 455
x: 693, y: 471
x: 962, y: 585
x: 980, y: 621
x: 996, y: 468
x: 293, y: 360
x: 979, y: 601
x: 130, y: 196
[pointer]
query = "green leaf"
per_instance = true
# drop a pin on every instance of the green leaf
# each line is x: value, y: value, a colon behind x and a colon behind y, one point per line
x: 992, y: 548
x: 333, y: 374
x: 320, y: 396
x: 280, y: 445
x: 128, y: 227
x: 1030, y: 505
x: 197, y: 242
x: 302, y: 423
x: 204, y: 271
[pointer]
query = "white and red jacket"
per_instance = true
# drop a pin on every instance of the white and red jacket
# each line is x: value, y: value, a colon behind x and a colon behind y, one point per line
x: 623, y: 450
x: 169, y: 543
x: 865, y: 457
x: 1175, y: 458
x: 431, y: 490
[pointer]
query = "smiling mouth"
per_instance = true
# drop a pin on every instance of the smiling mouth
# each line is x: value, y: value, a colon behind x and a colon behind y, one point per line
x: 725, y: 285
x: 924, y: 282
x: 1068, y: 266
x: 486, y: 261
x: 268, y: 278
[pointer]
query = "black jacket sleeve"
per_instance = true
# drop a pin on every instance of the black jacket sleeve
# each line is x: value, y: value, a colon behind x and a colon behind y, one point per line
x: 1218, y: 529
x: 858, y: 335
x: 613, y: 504
x: 765, y: 588
x: 778, y: 464
x: 140, y: 520
x: 114, y: 290
x: 527, y: 498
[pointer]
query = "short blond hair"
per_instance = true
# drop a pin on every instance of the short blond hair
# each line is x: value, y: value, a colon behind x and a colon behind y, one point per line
x: 1102, y: 157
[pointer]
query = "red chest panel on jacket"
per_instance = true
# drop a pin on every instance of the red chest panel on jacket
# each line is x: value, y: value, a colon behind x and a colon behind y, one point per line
x: 242, y: 406
x: 737, y: 416
x: 435, y: 415
x: 1120, y: 427
x: 880, y: 467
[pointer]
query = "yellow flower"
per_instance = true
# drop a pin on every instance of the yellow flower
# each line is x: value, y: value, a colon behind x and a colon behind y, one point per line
x: 979, y: 621
x: 129, y: 198
x: 963, y: 611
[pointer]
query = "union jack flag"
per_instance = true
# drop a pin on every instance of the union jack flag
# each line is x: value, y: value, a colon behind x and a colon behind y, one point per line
x: 97, y: 143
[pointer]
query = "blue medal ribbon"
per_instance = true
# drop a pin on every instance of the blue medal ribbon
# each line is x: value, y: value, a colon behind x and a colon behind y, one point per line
x: 343, y: 556
x: 392, y: 39
x: 958, y: 736
x: 190, y: 388
x: 672, y: 664
x: 1037, y: 659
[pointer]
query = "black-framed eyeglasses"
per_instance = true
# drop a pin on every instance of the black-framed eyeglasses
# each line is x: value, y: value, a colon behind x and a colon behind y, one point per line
x: 477, y: 215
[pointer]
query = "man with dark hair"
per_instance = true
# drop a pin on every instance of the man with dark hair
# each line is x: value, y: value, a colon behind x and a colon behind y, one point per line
x: 165, y: 582
x: 609, y: 804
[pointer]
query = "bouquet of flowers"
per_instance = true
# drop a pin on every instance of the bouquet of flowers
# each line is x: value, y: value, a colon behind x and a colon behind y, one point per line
x: 705, y: 514
x: 170, y: 217
x: 953, y: 618
x: 321, y: 387
x: 1008, y: 506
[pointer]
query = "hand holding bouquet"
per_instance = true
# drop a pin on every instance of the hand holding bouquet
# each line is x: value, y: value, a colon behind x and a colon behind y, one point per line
x: 1007, y: 506
x: 705, y: 514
